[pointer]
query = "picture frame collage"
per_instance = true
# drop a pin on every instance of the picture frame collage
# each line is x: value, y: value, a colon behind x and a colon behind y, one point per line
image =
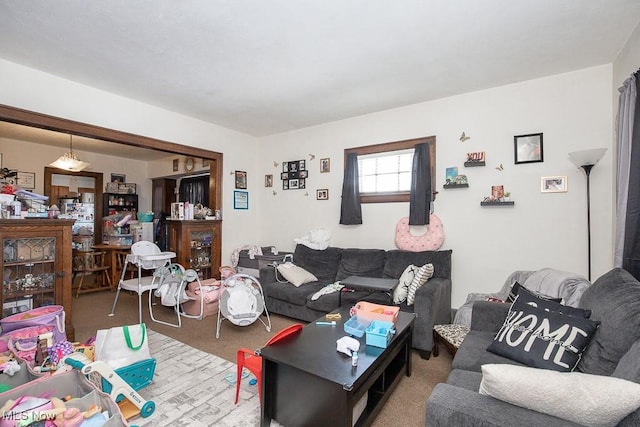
x: 294, y: 175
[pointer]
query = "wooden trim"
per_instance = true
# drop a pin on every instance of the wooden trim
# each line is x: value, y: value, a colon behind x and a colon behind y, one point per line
x: 58, y: 124
x: 402, y: 196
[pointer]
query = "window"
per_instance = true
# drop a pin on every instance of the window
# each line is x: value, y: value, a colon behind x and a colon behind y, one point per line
x: 384, y: 170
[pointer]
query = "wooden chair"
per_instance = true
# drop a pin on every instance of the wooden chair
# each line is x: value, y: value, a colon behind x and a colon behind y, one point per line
x: 91, y: 263
x: 249, y: 359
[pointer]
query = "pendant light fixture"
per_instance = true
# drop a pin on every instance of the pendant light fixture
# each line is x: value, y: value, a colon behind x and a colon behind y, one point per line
x: 69, y: 161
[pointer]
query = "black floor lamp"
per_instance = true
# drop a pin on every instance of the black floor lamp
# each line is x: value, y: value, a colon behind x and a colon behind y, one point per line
x: 586, y: 159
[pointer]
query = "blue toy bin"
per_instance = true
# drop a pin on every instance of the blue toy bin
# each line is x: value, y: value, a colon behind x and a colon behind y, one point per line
x: 379, y: 333
x: 356, y: 327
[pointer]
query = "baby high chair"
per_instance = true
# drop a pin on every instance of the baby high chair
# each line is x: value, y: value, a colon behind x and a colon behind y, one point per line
x: 145, y: 256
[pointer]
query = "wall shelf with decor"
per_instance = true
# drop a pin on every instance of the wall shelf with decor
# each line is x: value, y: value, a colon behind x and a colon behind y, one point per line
x: 450, y: 186
x: 497, y: 203
x: 474, y: 164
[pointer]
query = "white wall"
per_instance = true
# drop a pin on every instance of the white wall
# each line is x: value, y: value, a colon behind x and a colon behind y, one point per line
x: 627, y: 62
x: 33, y: 90
x: 542, y: 230
x: 574, y: 111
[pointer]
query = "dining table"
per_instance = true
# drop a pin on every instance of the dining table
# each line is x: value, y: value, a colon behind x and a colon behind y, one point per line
x: 112, y: 256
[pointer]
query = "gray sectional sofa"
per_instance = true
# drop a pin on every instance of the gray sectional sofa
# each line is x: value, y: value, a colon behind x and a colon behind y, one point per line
x: 614, y: 300
x: 432, y: 301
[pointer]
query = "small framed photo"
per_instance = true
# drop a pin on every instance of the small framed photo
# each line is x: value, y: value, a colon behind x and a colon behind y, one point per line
x: 322, y: 194
x: 528, y: 148
x: 176, y: 165
x: 26, y: 180
x: 241, y: 180
x: 553, y: 184
x: 285, y: 184
x: 284, y: 175
x: 268, y: 180
x: 325, y: 165
x: 240, y: 199
x: 293, y: 184
x: 303, y: 174
x: 118, y: 178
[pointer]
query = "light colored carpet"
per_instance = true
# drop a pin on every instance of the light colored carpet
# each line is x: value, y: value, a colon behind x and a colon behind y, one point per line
x: 189, y: 389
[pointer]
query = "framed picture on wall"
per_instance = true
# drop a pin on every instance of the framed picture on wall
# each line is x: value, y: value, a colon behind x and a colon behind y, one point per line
x: 322, y: 194
x: 528, y: 148
x: 26, y: 180
x: 325, y: 165
x: 241, y: 180
x: 240, y: 200
x: 118, y: 178
x: 553, y: 184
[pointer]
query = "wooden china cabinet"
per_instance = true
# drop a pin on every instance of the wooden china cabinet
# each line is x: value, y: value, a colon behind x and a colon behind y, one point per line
x: 36, y: 265
x: 197, y: 245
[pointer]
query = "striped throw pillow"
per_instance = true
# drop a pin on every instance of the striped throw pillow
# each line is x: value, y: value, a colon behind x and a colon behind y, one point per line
x: 423, y: 274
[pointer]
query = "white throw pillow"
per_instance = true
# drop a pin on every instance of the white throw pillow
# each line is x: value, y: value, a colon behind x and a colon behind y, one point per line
x: 402, y: 290
x: 590, y: 400
x: 295, y: 275
x: 423, y: 274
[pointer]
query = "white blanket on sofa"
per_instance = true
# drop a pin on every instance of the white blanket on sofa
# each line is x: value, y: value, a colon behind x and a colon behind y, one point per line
x: 547, y: 281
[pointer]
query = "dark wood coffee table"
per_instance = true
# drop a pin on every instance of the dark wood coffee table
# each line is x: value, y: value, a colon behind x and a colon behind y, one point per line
x: 305, y: 381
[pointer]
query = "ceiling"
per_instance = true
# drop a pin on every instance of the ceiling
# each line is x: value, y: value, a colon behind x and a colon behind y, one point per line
x: 266, y: 67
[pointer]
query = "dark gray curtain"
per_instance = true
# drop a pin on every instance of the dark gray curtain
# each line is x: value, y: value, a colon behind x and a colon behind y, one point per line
x: 350, y: 210
x: 631, y: 253
x: 421, y: 193
x: 195, y: 190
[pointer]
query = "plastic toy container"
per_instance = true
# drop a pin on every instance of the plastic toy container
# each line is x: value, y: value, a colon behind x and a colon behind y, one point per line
x: 355, y: 326
x: 145, y: 216
x: 379, y: 333
x: 370, y: 311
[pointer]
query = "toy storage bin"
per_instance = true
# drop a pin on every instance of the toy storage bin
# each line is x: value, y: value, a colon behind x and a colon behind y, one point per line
x: 73, y: 384
x: 379, y: 333
x: 370, y: 311
x: 356, y: 327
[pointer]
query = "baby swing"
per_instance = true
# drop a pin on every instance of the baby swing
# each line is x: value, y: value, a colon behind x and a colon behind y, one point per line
x: 242, y: 302
x: 172, y: 292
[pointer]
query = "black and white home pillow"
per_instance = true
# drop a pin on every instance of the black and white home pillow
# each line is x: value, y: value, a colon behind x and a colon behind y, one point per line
x: 541, y: 338
x: 515, y: 290
x: 532, y: 298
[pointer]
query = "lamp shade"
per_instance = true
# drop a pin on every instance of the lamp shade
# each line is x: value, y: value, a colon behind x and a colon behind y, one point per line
x: 587, y: 157
x: 69, y: 161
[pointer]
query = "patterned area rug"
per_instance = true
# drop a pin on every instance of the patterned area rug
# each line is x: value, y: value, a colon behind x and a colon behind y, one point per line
x: 189, y: 389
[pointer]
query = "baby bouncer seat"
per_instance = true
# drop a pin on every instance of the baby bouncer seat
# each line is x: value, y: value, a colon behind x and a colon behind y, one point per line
x: 242, y: 302
x: 145, y: 256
